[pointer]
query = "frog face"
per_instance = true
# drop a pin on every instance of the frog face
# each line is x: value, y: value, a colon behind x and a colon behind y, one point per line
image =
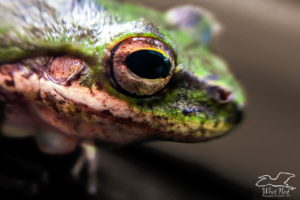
x: 92, y: 74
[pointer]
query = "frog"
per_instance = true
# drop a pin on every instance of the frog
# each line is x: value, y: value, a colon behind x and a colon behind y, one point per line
x: 78, y: 71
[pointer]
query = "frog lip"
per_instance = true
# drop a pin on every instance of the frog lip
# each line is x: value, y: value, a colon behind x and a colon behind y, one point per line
x: 201, y: 135
x: 143, y: 127
x: 205, y: 133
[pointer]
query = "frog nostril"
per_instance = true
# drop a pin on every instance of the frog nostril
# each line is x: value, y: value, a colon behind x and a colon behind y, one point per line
x: 224, y: 95
x: 219, y: 94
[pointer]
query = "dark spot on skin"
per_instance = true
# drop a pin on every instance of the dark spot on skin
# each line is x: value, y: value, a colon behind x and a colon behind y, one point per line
x: 191, y: 111
x: 60, y: 102
x: 158, y: 117
x: 10, y: 83
x: 51, y: 101
x: 216, y: 124
x: 77, y: 110
x: 92, y: 93
x: 106, y: 112
x: 171, y: 124
x: 203, y: 131
x: 38, y: 97
x: 99, y: 85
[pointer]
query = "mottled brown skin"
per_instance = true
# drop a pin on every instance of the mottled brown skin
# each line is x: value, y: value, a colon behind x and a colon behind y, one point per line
x: 20, y: 118
x: 80, y: 112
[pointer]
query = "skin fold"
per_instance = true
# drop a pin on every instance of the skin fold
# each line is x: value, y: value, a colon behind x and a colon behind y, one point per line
x: 64, y: 72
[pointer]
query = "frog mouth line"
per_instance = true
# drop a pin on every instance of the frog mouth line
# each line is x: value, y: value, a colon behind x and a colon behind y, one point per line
x: 104, y: 113
x: 154, y: 133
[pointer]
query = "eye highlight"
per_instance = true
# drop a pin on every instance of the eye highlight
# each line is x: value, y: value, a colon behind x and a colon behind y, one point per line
x: 142, y: 65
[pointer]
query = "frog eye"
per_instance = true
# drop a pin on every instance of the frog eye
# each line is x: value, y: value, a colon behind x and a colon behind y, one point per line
x: 142, y: 65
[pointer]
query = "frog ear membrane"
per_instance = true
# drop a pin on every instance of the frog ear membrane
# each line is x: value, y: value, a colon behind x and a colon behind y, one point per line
x: 62, y: 70
x: 197, y: 21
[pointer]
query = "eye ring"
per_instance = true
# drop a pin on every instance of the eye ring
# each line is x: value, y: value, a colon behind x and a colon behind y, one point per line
x: 142, y: 66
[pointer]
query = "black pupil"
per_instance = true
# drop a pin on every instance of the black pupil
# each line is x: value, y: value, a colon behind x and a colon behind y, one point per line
x: 148, y: 64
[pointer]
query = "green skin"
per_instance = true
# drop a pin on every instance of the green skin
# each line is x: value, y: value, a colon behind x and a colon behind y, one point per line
x: 202, y: 101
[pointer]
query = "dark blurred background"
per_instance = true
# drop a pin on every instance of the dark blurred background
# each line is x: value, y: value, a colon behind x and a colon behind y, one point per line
x: 261, y: 43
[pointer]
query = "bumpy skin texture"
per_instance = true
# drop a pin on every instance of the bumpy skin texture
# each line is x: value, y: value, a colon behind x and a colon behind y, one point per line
x: 202, y: 100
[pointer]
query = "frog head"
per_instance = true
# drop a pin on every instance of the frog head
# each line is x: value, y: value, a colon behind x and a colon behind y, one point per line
x: 102, y: 71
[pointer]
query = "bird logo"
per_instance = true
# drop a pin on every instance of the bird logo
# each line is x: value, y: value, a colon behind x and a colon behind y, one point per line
x: 281, y: 180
